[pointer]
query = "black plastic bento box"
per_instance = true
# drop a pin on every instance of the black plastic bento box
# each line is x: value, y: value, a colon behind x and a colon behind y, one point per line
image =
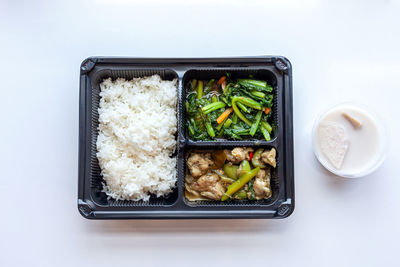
x: 276, y: 70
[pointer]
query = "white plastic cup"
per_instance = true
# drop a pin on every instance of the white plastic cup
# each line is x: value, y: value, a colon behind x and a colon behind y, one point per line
x: 373, y: 165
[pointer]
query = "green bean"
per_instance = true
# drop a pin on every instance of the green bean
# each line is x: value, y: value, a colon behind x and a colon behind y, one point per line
x: 254, y: 127
x: 214, y: 98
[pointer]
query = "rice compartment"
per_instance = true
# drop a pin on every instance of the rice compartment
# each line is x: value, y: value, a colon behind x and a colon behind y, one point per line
x: 136, y: 141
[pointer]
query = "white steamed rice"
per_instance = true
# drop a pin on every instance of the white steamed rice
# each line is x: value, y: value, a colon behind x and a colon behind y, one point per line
x: 137, y: 126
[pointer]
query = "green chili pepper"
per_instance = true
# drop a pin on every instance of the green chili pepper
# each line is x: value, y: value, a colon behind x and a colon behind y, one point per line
x: 245, y: 178
x: 231, y: 171
x: 244, y: 167
x: 199, y: 89
x: 256, y: 159
x: 254, y: 127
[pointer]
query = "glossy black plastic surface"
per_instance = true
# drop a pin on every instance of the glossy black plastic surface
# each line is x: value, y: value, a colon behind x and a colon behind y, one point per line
x: 93, y: 203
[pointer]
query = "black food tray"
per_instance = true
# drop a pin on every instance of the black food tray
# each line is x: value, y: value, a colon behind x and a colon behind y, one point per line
x: 276, y: 70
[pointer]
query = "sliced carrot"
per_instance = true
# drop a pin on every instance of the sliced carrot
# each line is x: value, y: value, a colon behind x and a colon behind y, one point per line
x: 221, y: 80
x: 224, y: 115
x: 267, y: 110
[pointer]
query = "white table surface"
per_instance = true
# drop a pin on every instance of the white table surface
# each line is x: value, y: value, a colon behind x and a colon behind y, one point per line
x: 340, y: 50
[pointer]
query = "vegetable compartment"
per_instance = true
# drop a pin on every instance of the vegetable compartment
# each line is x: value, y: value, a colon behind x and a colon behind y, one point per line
x: 230, y: 105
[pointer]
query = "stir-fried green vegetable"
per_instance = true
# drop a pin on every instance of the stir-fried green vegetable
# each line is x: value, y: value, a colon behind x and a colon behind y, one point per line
x: 255, y: 124
x: 231, y: 171
x: 239, y: 183
x: 229, y: 108
x: 256, y: 159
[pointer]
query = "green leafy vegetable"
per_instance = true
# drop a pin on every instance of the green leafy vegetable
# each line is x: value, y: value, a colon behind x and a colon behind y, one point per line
x: 249, y: 99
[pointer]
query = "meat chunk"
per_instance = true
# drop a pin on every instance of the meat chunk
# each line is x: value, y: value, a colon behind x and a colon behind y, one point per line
x: 209, y: 185
x: 199, y: 163
x: 262, y: 185
x: 190, y: 193
x: 238, y: 154
x: 269, y: 157
x: 189, y: 179
x: 215, y: 193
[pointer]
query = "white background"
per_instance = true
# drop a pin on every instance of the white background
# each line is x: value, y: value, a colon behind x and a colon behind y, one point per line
x: 340, y: 51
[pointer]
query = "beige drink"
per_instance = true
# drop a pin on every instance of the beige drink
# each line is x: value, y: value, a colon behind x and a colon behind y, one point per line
x: 347, y: 140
